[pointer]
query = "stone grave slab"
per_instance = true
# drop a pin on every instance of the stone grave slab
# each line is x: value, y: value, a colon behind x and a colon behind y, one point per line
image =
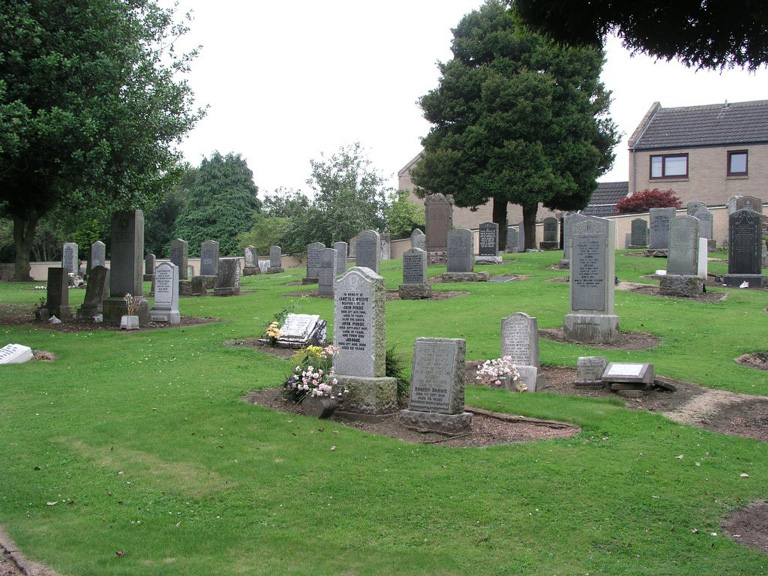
x: 300, y: 330
x: 628, y: 376
x: 15, y: 354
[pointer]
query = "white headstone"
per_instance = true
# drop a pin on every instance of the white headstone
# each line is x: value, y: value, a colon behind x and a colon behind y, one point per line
x: 166, y: 305
x: 15, y: 354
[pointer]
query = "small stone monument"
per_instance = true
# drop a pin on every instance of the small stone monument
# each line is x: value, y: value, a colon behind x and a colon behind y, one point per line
x: 591, y: 319
x: 589, y: 371
x: 228, y: 277
x: 15, y: 354
x: 368, y: 253
x: 439, y: 222
x: 639, y: 235
x: 488, y: 244
x: 512, y: 245
x: 313, y: 262
x: 96, y: 291
x: 460, y: 248
x: 418, y: 239
x: 69, y: 259
x: 275, y: 260
x: 550, y: 234
x: 126, y: 273
x: 149, y: 267
x: 341, y: 257
x: 414, y: 286
x: 327, y: 272
x: 360, y: 335
x: 209, y: 262
x: 57, y: 295
x: 682, y: 277
x: 699, y: 210
x: 386, y: 245
x: 736, y: 203
x: 98, y: 254
x: 196, y: 286
x: 568, y: 221
x: 745, y: 248
x: 180, y: 257
x: 660, y: 219
x: 301, y: 330
x: 520, y: 341
x: 437, y: 387
x: 628, y: 379
x: 166, y: 305
x: 251, y: 262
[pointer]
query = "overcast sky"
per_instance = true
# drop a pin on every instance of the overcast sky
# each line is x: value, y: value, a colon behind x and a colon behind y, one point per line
x: 285, y: 81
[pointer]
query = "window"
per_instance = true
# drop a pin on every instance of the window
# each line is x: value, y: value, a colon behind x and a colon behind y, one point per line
x: 737, y: 163
x: 669, y: 166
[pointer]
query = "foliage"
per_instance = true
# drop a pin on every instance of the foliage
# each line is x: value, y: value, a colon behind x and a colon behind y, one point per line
x: 313, y: 375
x: 495, y: 372
x: 643, y: 200
x: 93, y: 106
x: 700, y: 34
x: 515, y: 118
x: 160, y: 221
x: 88, y: 231
x: 394, y: 367
x: 266, y: 232
x: 221, y: 204
x: 402, y: 215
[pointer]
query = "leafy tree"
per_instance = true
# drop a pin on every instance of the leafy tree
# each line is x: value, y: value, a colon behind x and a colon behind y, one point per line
x: 646, y: 199
x: 516, y: 119
x: 91, y: 106
x: 713, y: 34
x: 222, y: 203
x: 402, y: 215
x: 266, y: 232
x: 275, y: 225
x: 160, y: 221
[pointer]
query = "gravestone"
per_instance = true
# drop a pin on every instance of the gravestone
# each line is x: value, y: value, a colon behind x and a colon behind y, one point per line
x: 414, y: 286
x: 520, y: 341
x: 166, y: 305
x: 736, y: 203
x: 96, y: 291
x: 591, y: 319
x: 70, y: 260
x: 251, y: 262
x: 628, y: 376
x: 275, y: 260
x: 627, y: 240
x: 126, y: 274
x: 301, y: 330
x: 660, y: 219
x: 313, y: 262
x: 386, y: 246
x: 521, y: 237
x: 639, y: 236
x: 15, y: 354
x: 745, y: 249
x: 437, y: 387
x: 360, y: 335
x: 368, y: 250
x: 98, y: 254
x: 550, y: 234
x: 149, y: 267
x: 460, y: 249
x: 589, y: 371
x: 512, y: 245
x: 703, y: 267
x: 705, y: 220
x: 209, y: 262
x: 180, y: 257
x: 439, y: 222
x: 57, y: 295
x: 488, y: 244
x: 341, y: 257
x: 683, y: 259
x: 418, y: 239
x: 196, y: 286
x: 692, y: 207
x: 228, y: 277
x: 327, y: 272
x: 568, y: 221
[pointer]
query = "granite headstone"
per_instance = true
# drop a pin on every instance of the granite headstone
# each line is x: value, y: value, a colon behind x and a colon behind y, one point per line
x: 368, y: 250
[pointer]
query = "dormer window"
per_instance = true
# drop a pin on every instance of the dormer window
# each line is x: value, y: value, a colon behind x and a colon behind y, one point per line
x: 738, y: 163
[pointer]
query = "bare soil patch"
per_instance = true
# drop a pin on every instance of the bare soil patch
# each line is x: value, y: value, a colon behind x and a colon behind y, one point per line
x: 652, y: 290
x: 757, y: 360
x: 626, y: 341
x: 749, y: 526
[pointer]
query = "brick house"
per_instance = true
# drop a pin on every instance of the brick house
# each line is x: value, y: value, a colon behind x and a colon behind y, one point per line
x: 703, y: 153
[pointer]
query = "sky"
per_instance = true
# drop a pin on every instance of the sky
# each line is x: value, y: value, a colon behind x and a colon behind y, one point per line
x: 287, y: 82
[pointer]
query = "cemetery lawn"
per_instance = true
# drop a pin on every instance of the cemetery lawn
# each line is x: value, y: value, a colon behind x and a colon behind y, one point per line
x: 133, y: 453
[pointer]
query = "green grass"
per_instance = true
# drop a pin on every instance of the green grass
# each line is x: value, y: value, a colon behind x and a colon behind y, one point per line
x: 143, y: 443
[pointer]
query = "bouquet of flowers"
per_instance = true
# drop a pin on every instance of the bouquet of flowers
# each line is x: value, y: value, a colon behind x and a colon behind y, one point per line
x: 497, y: 372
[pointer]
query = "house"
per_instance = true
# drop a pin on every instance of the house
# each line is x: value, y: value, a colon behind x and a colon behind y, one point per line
x: 703, y: 153
x: 605, y: 197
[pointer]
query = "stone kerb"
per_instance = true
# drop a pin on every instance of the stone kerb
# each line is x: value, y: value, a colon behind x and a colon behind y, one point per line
x: 591, y: 318
x: 414, y: 286
x: 360, y: 336
x: 437, y: 387
x: 166, y: 304
x: 327, y: 272
x: 368, y: 254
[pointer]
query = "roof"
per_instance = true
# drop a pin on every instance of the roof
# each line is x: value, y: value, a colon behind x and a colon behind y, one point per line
x: 711, y: 125
x: 605, y: 197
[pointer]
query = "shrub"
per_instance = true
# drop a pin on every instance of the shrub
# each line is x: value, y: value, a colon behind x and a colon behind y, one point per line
x: 643, y: 200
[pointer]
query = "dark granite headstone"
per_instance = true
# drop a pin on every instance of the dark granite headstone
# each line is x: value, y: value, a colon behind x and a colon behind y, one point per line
x: 550, y: 234
x: 639, y: 233
x: 341, y: 257
x: 488, y: 236
x: 327, y: 272
x: 660, y: 218
x: 460, y: 249
x: 209, y: 258
x: 313, y: 260
x: 414, y: 266
x: 745, y: 242
x: 180, y: 257
x: 57, y: 295
x: 368, y: 250
x: 227, y: 277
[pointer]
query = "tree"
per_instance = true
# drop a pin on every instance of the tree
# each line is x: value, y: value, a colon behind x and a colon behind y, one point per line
x: 402, y: 215
x: 714, y: 34
x: 221, y: 204
x: 160, y: 221
x: 515, y: 119
x: 91, y: 106
x: 644, y: 200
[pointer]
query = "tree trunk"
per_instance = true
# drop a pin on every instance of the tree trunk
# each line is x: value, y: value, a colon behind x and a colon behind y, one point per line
x: 500, y: 218
x: 23, y: 236
x: 529, y: 223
